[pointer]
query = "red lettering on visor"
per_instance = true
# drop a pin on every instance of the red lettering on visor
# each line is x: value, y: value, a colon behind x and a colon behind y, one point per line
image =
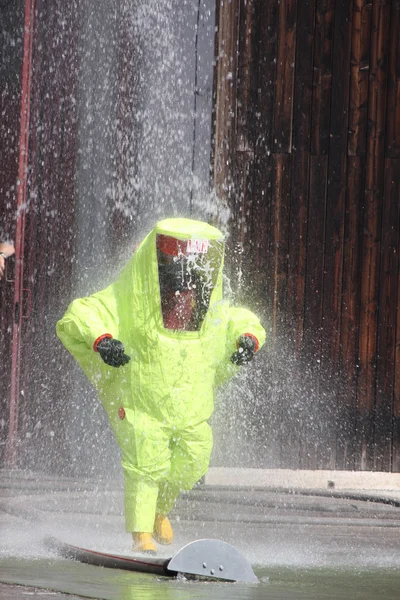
x: 174, y: 247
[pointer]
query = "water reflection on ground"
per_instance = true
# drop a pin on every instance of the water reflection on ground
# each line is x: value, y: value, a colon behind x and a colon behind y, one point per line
x: 284, y: 583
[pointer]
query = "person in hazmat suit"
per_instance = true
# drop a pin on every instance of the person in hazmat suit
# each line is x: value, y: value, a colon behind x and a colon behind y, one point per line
x: 155, y: 344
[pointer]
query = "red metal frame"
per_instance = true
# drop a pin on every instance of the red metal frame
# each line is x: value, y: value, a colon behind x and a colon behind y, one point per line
x: 11, y: 452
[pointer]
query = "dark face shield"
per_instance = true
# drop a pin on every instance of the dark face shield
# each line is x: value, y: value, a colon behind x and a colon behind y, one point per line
x: 188, y: 271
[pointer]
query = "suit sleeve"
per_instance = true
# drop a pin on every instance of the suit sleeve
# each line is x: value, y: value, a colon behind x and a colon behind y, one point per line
x: 240, y: 321
x: 87, y: 319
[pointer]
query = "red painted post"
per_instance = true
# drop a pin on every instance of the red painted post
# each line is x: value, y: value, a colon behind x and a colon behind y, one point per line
x: 11, y: 450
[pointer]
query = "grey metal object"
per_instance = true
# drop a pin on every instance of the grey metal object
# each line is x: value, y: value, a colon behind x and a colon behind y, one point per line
x: 212, y: 558
x: 205, y: 558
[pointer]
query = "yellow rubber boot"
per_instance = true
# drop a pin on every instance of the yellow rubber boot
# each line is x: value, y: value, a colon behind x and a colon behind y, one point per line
x: 163, y: 533
x: 143, y: 542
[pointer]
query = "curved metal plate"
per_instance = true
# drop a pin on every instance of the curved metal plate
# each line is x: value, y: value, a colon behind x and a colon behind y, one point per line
x: 212, y: 558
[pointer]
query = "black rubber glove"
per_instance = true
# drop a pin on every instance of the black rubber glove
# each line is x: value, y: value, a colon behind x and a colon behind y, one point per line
x: 245, y: 352
x: 113, y: 352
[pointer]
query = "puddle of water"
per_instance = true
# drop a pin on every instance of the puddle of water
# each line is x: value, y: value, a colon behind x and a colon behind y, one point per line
x: 275, y: 583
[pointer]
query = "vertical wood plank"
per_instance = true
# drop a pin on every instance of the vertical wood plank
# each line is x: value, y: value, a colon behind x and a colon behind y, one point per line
x: 372, y: 230
x: 388, y: 300
x: 346, y: 419
x: 297, y: 244
x: 322, y: 76
x: 280, y: 203
x: 302, y: 110
x: 315, y: 254
x: 267, y: 16
x: 266, y: 74
x: 11, y: 52
x: 303, y: 76
x: 246, y: 103
x: 336, y: 194
x: 246, y: 98
x: 393, y: 190
x: 313, y: 322
x: 239, y: 249
x: 262, y: 233
x: 50, y: 229
x: 284, y: 415
x: 128, y: 135
x: 337, y: 177
x: 283, y: 113
x: 393, y: 104
x: 360, y: 57
x: 225, y: 122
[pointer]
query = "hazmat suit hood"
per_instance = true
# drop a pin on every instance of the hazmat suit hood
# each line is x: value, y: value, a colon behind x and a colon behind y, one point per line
x: 174, y: 277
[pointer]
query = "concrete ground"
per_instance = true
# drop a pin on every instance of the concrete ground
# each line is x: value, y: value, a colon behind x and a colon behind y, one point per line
x: 275, y: 518
x: 19, y: 592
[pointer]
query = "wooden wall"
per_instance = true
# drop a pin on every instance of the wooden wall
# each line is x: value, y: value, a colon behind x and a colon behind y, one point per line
x: 11, y: 35
x: 307, y: 152
x: 27, y: 321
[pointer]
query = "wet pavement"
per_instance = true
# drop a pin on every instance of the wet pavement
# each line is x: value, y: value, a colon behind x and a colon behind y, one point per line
x: 17, y: 592
x: 302, y: 543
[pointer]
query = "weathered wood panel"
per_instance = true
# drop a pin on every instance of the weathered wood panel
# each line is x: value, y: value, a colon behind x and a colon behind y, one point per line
x: 393, y: 189
x: 49, y: 246
x: 283, y: 112
x: 369, y: 273
x: 393, y: 106
x: 245, y: 136
x: 322, y: 76
x: 328, y: 94
x: 11, y: 53
x: 302, y: 110
x: 313, y: 305
x: 350, y: 313
x: 267, y: 16
x: 280, y: 235
x: 360, y: 58
x: 334, y: 225
x: 388, y: 300
x: 225, y: 95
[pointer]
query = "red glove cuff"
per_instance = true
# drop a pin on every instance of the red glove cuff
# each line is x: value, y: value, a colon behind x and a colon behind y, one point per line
x: 253, y: 337
x: 101, y: 337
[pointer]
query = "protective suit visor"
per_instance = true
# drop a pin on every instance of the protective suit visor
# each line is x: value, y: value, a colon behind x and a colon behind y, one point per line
x: 187, y: 272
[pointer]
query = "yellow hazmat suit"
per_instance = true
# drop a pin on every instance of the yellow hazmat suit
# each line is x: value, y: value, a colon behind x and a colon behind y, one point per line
x: 159, y: 403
